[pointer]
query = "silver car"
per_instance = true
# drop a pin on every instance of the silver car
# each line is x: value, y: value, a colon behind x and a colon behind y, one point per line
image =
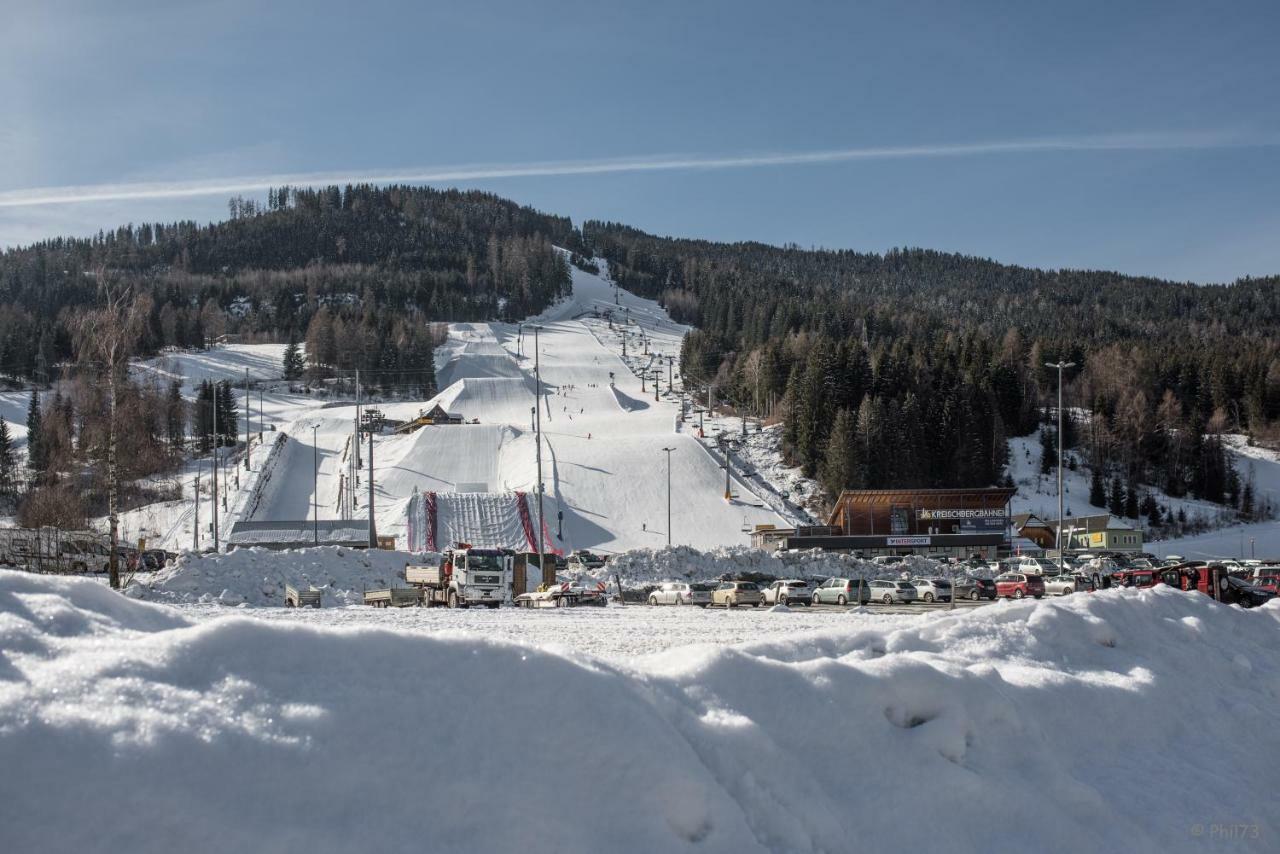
x: 1061, y: 585
x: 790, y: 591
x: 932, y: 589
x: 888, y: 592
x: 681, y: 593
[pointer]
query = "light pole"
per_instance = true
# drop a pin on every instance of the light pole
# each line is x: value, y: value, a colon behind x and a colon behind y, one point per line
x: 248, y: 418
x: 668, y: 450
x: 1060, y: 365
x: 537, y: 435
x: 315, y: 484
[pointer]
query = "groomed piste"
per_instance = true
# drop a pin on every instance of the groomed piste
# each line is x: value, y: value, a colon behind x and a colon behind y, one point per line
x: 1122, y: 721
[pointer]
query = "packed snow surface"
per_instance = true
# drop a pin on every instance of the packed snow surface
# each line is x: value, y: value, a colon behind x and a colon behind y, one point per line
x: 1127, y: 720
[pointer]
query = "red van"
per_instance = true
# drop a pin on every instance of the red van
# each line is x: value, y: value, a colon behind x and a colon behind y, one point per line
x: 1016, y: 585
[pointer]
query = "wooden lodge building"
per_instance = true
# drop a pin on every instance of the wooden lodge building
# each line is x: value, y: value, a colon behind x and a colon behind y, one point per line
x: 870, y: 522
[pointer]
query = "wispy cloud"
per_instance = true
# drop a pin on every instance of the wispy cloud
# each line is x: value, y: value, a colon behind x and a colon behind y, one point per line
x: 1162, y: 141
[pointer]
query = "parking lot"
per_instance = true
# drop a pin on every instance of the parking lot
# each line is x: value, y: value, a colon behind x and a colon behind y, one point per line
x: 616, y: 632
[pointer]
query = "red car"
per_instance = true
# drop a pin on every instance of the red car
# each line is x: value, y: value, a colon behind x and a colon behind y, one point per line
x: 1268, y: 582
x: 1016, y: 585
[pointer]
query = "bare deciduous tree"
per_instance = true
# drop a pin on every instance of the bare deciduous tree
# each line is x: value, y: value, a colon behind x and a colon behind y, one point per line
x: 104, y: 338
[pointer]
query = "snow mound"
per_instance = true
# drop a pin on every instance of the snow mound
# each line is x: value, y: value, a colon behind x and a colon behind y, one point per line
x: 257, y: 577
x: 1078, y: 724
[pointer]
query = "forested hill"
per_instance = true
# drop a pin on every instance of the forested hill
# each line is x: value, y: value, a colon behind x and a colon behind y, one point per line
x: 375, y: 259
x: 911, y: 368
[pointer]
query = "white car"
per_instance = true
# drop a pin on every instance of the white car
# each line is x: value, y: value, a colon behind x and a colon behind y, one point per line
x: 932, y: 589
x: 883, y: 590
x: 1035, y: 566
x: 681, y: 593
x: 789, y: 591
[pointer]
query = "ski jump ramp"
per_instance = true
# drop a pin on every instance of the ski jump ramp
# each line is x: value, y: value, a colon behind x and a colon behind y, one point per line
x: 436, y: 520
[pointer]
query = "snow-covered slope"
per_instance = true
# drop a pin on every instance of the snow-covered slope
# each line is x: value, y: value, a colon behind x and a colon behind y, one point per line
x: 1123, y: 721
x: 604, y: 467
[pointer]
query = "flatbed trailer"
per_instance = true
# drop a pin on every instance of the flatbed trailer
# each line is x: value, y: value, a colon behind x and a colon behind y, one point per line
x: 295, y: 598
x: 393, y: 597
x: 563, y: 596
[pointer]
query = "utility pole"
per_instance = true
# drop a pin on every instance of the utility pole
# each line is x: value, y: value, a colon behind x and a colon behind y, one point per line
x: 248, y: 418
x: 537, y: 429
x: 315, y: 484
x: 195, y: 532
x: 373, y: 526
x: 261, y: 422
x: 728, y: 495
x: 670, y: 360
x: 668, y: 450
x: 215, y: 466
x: 1060, y: 365
x: 358, y: 414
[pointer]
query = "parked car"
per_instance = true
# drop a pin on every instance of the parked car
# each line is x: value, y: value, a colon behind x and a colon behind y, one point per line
x: 731, y: 594
x: 1016, y: 585
x: 681, y: 593
x: 886, y: 560
x: 154, y: 559
x: 1035, y: 566
x: 1135, y: 578
x: 583, y: 561
x: 1061, y: 585
x: 841, y: 591
x: 1270, y: 583
x: 1240, y: 592
x: 790, y: 591
x: 932, y: 589
x: 973, y: 588
x: 888, y: 592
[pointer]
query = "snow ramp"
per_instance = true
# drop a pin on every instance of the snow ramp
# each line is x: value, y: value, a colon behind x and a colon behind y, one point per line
x: 490, y: 399
x: 436, y: 520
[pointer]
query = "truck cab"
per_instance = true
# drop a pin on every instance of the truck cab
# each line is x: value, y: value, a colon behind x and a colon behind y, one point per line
x: 478, y: 576
x: 466, y: 576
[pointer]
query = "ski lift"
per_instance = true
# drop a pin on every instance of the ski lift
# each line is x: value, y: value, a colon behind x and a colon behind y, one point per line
x: 746, y: 529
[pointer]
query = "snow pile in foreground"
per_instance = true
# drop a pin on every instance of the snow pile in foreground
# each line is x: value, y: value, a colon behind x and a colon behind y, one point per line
x: 1121, y: 721
x: 258, y: 576
x: 648, y: 566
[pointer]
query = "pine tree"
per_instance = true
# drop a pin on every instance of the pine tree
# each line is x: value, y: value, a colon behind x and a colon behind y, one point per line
x: 1097, y: 490
x: 1131, y: 501
x: 1048, y: 450
x: 175, y: 417
x: 36, y: 458
x: 293, y: 364
x: 8, y: 468
x: 1116, y: 497
x: 202, y: 417
x: 838, y: 463
x: 1246, y: 500
x: 228, y: 417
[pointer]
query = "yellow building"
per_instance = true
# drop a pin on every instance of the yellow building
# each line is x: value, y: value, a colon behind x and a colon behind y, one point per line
x: 1100, y: 533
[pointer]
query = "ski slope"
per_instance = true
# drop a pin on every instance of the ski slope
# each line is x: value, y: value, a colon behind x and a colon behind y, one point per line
x: 603, y: 464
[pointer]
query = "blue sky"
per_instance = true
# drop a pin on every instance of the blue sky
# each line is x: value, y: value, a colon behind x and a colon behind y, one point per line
x: 1155, y: 128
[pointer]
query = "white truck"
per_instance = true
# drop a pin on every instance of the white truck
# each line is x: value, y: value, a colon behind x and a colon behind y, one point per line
x: 466, y: 576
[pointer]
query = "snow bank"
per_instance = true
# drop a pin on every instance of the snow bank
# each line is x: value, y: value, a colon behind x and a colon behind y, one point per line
x: 649, y: 566
x: 258, y: 576
x: 1124, y: 721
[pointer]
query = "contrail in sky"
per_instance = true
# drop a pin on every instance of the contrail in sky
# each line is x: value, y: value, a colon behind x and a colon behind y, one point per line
x: 1164, y: 141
